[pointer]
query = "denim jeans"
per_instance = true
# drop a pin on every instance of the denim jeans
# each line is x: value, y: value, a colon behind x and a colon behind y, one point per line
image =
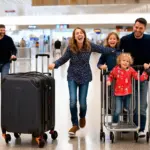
x: 143, y: 104
x: 83, y: 89
x: 5, y: 69
x: 125, y: 100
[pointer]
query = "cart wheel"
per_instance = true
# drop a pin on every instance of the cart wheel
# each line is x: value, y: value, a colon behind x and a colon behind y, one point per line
x: 147, y: 137
x: 45, y: 137
x: 7, y: 138
x: 136, y: 136
x: 112, y: 137
x: 102, y: 136
x: 16, y: 135
x: 54, y: 135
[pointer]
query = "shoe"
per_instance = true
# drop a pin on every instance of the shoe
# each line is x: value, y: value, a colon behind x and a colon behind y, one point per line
x: 125, y: 110
x: 114, y: 124
x: 141, y: 134
x: 73, y: 130
x: 82, y: 122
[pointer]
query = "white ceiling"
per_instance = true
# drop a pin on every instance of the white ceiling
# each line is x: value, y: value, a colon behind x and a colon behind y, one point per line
x: 24, y: 8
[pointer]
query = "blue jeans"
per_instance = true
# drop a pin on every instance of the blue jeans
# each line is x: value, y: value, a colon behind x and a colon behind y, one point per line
x: 125, y: 100
x: 5, y: 69
x: 143, y: 104
x: 83, y: 89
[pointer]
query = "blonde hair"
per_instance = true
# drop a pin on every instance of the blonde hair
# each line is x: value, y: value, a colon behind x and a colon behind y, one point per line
x: 106, y: 44
x: 73, y: 44
x: 122, y: 55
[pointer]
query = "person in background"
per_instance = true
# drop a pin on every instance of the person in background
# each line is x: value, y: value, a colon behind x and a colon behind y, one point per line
x: 7, y: 51
x: 137, y: 44
x: 79, y: 74
x: 122, y: 73
x: 22, y: 43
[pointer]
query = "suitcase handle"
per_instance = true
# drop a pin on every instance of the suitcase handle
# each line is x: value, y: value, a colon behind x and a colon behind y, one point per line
x: 42, y: 55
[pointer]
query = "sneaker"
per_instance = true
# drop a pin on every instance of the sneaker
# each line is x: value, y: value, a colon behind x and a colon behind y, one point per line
x: 114, y: 124
x: 141, y: 134
x: 82, y: 122
x: 73, y: 130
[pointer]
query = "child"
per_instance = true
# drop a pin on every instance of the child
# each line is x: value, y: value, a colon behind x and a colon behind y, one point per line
x: 109, y: 60
x: 123, y: 73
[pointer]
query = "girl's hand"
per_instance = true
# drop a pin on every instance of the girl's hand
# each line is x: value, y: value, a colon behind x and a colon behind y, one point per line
x: 51, y: 66
x: 103, y: 67
x: 108, y: 83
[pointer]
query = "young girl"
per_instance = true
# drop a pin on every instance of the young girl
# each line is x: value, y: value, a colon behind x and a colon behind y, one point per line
x: 109, y: 60
x: 123, y: 74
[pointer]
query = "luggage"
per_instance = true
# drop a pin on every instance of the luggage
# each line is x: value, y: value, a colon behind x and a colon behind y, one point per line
x: 28, y: 105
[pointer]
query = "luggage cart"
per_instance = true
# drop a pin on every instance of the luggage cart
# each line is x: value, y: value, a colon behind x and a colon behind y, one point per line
x: 106, y: 104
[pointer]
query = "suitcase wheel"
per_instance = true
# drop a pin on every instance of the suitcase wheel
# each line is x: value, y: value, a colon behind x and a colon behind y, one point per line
x: 7, y: 138
x: 41, y: 142
x: 54, y: 134
x: 17, y: 135
x: 45, y: 137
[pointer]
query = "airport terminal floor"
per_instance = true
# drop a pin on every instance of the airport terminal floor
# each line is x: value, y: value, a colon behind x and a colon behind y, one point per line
x: 87, y: 138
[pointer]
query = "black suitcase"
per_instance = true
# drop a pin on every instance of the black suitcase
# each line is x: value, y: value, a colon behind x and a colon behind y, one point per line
x: 28, y: 105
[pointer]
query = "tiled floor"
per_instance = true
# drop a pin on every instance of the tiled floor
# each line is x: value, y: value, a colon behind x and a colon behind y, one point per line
x: 87, y: 138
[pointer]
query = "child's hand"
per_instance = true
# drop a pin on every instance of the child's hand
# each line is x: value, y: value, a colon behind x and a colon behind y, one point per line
x: 146, y: 66
x: 103, y: 67
x: 108, y: 83
x: 51, y: 66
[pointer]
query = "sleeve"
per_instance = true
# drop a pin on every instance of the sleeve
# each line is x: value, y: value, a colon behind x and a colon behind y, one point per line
x: 63, y: 59
x: 143, y: 77
x: 101, y: 49
x: 13, y: 48
x: 102, y: 60
x: 148, y: 71
x: 111, y: 75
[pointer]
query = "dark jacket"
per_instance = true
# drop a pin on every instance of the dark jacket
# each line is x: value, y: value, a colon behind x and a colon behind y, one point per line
x: 7, y: 48
x: 108, y: 59
x: 139, y: 48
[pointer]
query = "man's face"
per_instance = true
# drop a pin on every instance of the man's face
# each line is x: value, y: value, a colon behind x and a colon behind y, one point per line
x: 2, y: 32
x: 138, y: 30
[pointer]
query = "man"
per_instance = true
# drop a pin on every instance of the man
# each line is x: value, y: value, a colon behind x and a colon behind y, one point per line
x: 7, y: 51
x: 138, y: 44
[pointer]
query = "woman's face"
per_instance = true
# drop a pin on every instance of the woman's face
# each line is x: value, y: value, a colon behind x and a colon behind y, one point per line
x: 79, y: 36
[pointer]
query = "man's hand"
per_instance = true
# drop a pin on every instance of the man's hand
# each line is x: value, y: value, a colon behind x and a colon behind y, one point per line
x: 13, y: 57
x: 146, y: 66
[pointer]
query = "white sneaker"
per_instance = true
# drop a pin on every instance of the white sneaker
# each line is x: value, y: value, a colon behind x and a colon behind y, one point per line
x: 141, y: 134
x: 114, y: 124
x: 125, y: 110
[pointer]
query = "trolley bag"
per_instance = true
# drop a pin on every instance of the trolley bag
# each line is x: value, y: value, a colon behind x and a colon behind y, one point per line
x: 28, y: 105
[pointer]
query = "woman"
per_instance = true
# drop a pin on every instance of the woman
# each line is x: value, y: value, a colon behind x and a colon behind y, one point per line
x: 79, y: 73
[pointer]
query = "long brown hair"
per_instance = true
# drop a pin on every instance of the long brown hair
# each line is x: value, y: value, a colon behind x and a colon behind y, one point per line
x: 73, y: 44
x: 106, y: 44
